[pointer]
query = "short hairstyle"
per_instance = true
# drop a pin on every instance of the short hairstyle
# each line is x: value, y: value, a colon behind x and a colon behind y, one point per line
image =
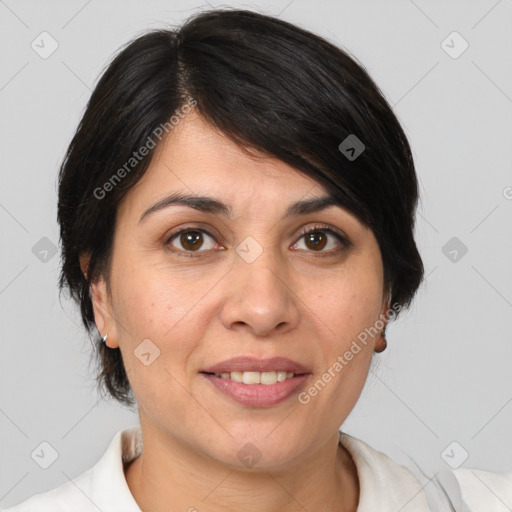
x: 266, y: 84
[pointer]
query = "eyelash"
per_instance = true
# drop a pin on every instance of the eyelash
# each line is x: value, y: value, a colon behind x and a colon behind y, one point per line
x: 345, y: 243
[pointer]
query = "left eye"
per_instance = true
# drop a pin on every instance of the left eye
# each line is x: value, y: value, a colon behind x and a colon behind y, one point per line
x: 318, y: 239
x: 192, y: 240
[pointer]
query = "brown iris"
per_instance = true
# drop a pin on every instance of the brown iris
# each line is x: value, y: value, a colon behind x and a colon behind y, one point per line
x: 191, y: 240
x: 317, y: 239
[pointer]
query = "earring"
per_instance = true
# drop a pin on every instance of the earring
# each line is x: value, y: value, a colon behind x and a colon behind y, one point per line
x: 384, y: 342
x: 104, y: 338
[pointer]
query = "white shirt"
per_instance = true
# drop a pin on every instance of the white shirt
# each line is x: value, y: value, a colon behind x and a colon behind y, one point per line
x: 385, y: 486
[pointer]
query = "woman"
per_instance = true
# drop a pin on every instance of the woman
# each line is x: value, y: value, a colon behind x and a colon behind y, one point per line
x: 237, y: 212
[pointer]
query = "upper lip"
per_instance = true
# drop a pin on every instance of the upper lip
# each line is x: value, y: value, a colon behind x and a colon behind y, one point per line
x: 254, y: 364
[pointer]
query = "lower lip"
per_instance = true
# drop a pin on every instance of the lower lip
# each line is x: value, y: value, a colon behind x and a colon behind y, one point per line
x: 257, y: 395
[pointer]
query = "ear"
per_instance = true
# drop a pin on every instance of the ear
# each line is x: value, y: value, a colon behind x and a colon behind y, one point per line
x: 102, y: 306
x: 380, y: 344
x: 84, y: 263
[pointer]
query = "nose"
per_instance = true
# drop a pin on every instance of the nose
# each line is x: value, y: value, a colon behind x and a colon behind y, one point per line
x: 260, y: 297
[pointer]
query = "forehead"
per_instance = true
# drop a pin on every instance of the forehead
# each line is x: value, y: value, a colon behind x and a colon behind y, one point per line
x: 195, y: 158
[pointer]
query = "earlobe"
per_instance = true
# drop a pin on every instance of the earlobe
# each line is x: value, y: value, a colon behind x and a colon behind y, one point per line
x: 382, y: 343
x: 103, y: 315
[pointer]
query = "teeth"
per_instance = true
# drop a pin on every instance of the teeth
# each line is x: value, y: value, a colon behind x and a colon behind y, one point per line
x: 236, y: 376
x: 281, y: 376
x: 266, y: 378
x: 251, y: 377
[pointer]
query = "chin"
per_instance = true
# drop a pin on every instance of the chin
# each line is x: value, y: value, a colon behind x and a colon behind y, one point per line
x: 253, y: 453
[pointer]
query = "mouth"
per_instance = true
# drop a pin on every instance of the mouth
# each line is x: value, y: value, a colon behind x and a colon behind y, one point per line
x: 257, y: 382
x: 251, y: 378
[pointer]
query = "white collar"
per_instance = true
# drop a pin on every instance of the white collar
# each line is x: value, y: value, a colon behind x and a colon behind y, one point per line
x: 384, y: 485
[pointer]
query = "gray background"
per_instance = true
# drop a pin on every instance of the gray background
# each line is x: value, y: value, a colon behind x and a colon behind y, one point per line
x: 445, y: 376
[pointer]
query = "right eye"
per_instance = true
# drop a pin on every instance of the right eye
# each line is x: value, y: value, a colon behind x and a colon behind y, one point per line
x: 190, y: 240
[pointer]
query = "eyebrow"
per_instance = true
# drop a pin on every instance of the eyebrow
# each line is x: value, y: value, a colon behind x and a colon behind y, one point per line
x: 211, y: 205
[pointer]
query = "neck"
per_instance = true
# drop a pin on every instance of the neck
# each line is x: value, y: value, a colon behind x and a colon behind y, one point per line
x: 325, y: 481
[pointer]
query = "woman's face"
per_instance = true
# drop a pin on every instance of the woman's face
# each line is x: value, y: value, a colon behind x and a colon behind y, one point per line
x: 242, y: 283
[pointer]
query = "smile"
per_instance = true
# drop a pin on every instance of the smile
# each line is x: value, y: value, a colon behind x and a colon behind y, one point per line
x: 255, y: 382
x: 265, y: 378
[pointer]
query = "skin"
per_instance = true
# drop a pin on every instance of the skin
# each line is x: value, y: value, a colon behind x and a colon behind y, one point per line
x: 295, y: 300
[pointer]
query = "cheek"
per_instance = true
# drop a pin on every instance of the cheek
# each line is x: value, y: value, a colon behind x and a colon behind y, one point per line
x: 351, y: 303
x: 159, y: 333
x: 147, y: 297
x: 151, y: 304
x: 348, y: 351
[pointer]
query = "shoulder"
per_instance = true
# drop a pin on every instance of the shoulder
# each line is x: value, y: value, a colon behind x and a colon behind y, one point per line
x: 410, y: 489
x: 69, y: 494
x: 102, y: 487
x: 375, y: 463
x: 484, y: 490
